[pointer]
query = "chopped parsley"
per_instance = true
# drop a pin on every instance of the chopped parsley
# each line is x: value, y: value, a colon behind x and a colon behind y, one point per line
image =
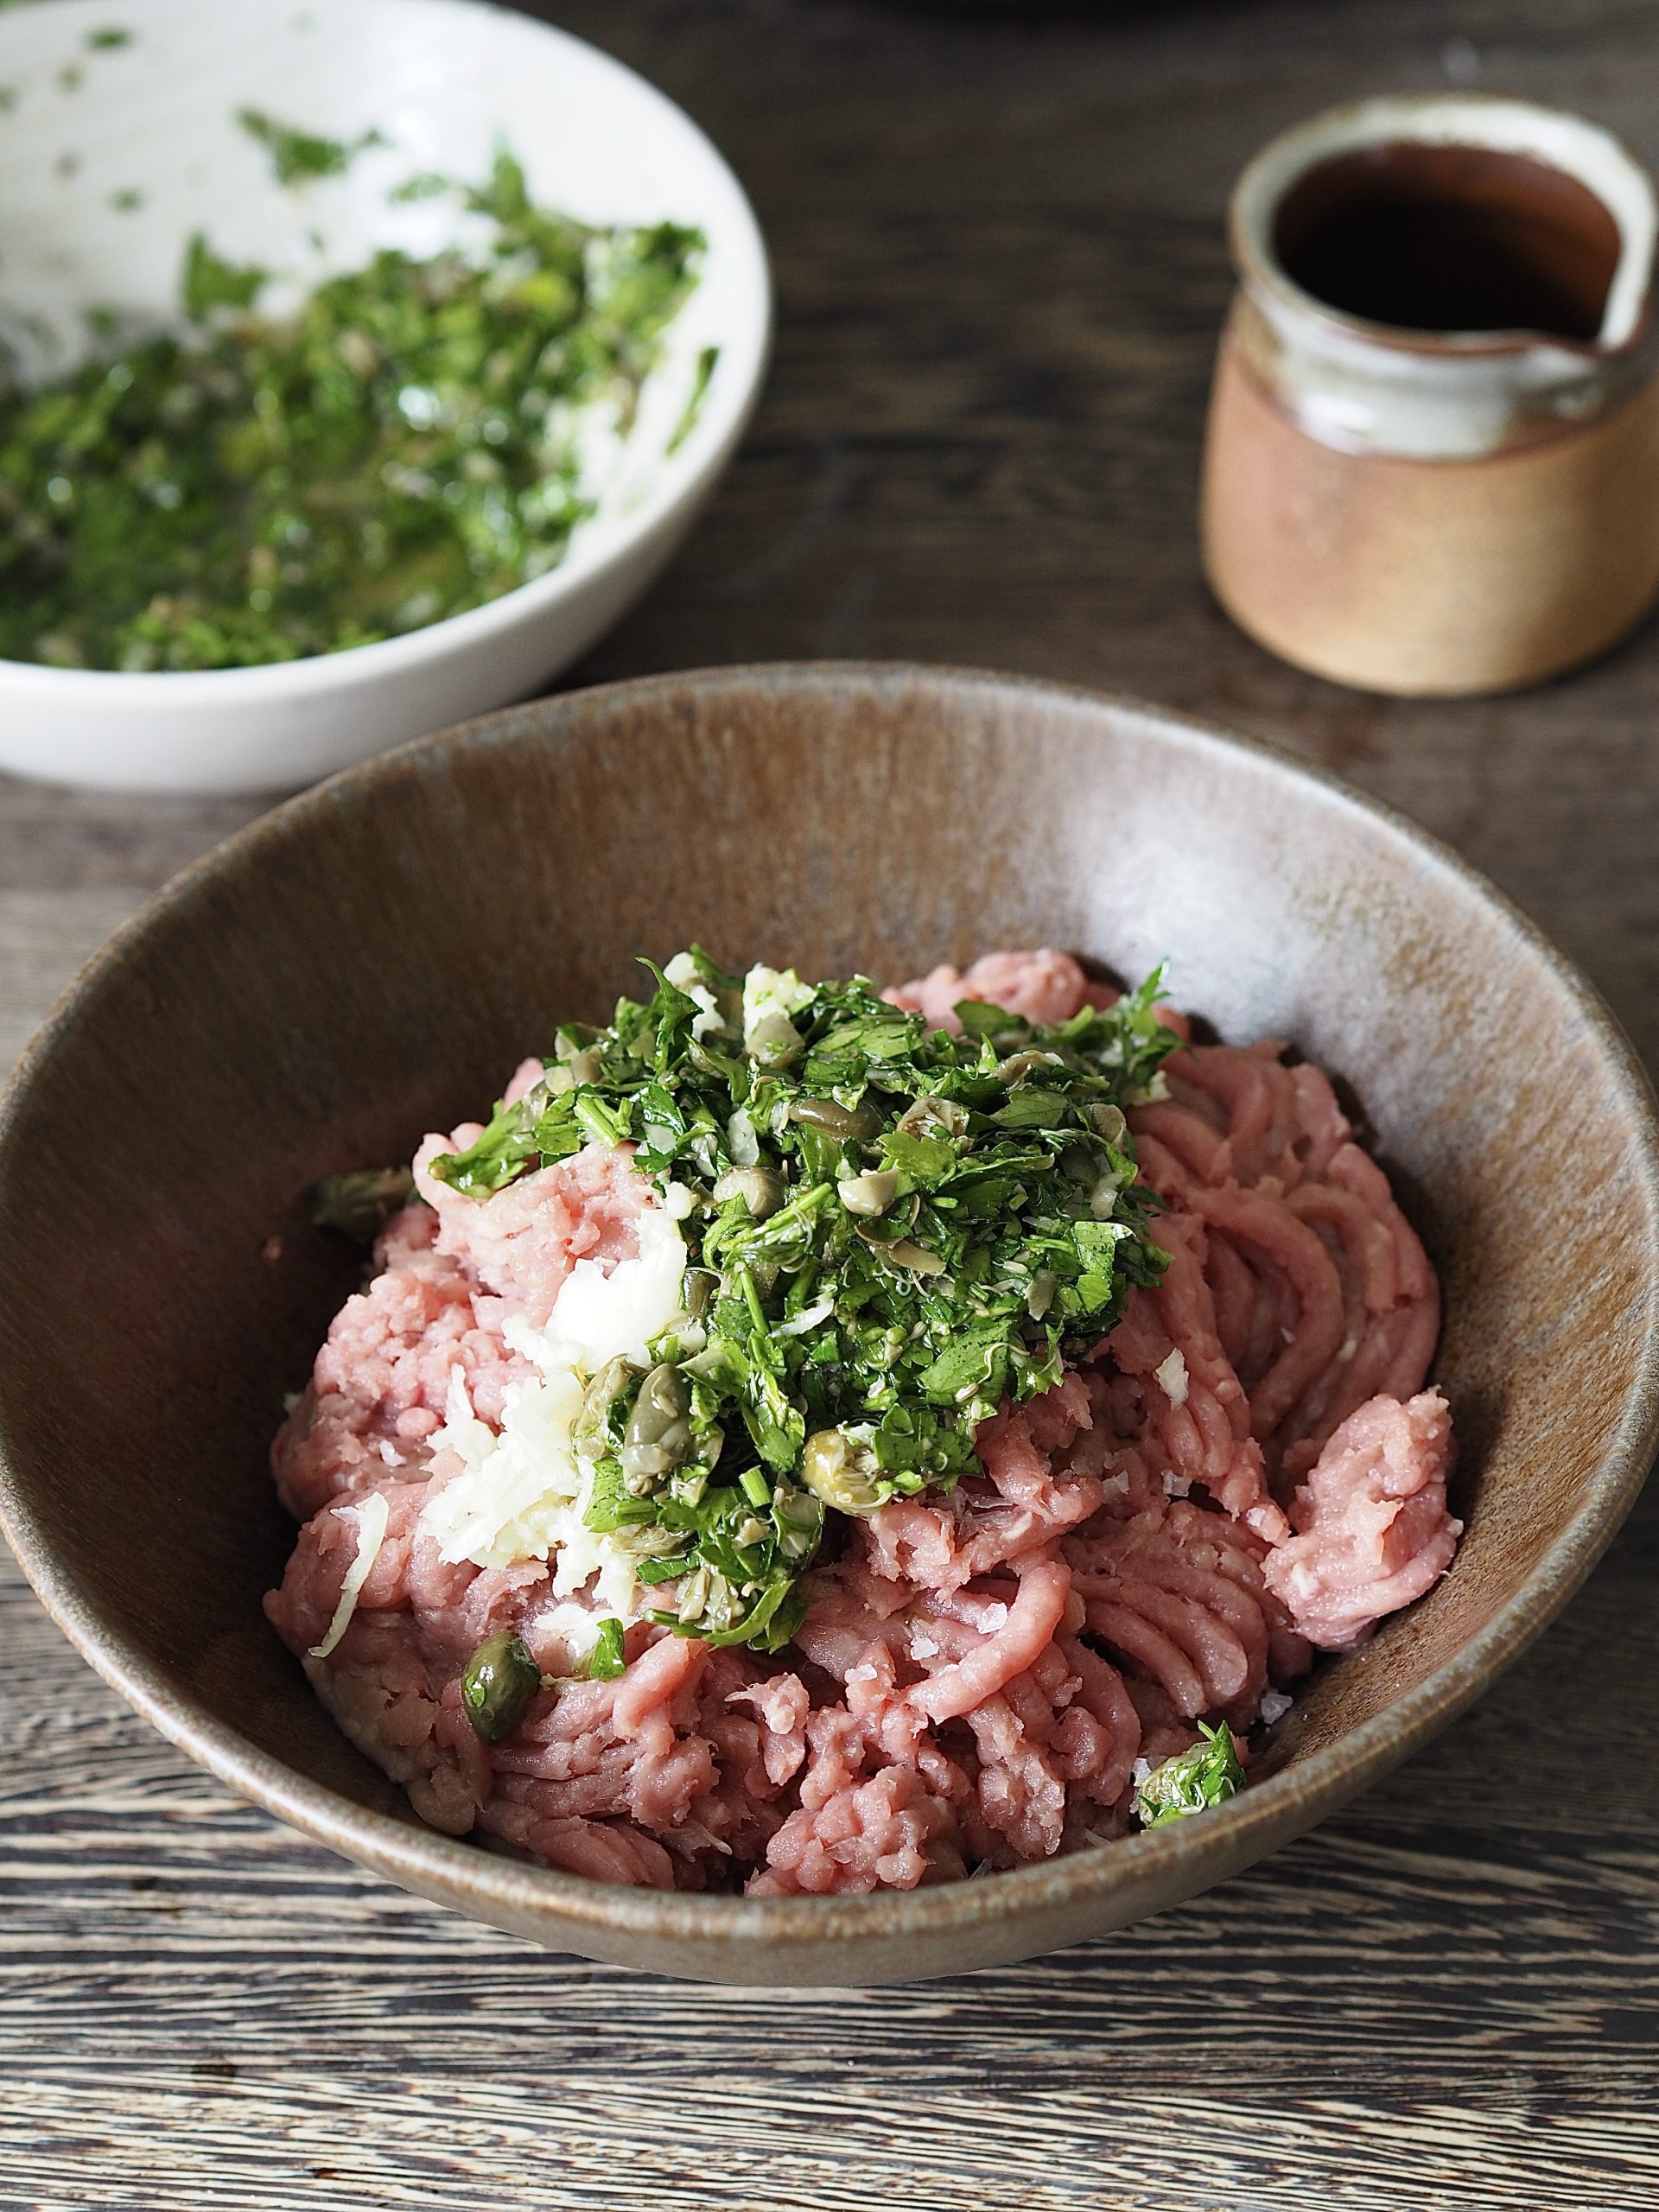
x: 708, y: 360
x: 403, y: 445
x: 1194, y: 1780
x: 605, y: 1660
x: 297, y: 156
x: 890, y: 1231
x: 360, y: 1202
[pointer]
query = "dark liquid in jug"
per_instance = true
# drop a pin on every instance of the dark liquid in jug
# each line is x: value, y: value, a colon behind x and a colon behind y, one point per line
x: 1451, y: 238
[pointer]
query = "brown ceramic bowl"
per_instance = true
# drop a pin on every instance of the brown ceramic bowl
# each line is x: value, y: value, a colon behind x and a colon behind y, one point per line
x: 368, y: 962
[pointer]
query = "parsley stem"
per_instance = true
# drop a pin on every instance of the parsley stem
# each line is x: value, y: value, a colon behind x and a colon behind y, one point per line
x: 752, y: 1297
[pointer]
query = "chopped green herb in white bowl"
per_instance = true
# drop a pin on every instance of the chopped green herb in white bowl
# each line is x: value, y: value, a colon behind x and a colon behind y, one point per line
x: 365, y: 361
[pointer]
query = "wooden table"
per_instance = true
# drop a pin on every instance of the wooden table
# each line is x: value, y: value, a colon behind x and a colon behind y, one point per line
x: 1000, y: 272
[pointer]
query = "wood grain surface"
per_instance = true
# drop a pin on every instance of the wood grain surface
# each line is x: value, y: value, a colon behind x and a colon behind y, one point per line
x: 997, y: 247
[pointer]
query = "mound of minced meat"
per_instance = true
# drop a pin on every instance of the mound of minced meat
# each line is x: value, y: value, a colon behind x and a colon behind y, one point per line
x: 1245, y: 1470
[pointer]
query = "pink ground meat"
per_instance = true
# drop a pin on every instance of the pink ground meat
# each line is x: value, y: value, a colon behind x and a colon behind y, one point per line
x: 1246, y: 1471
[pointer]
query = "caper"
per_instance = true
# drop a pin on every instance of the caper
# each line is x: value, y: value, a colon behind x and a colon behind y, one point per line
x: 915, y: 1257
x: 882, y: 1231
x: 842, y: 1470
x: 661, y: 1403
x: 497, y: 1685
x: 585, y: 1061
x: 706, y: 1060
x: 761, y: 1191
x: 597, y: 1399
x: 1106, y: 1121
x: 694, y: 1596
x: 848, y: 1124
x: 1019, y: 1066
x: 931, y: 1116
x: 775, y: 1042
x: 798, y: 1518
x: 658, y: 1433
x: 868, y: 1194
x: 1080, y: 1166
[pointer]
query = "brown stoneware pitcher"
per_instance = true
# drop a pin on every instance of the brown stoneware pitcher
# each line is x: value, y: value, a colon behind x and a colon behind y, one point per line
x: 1432, y: 463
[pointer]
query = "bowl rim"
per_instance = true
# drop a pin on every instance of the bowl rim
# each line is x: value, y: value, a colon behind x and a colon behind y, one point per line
x: 520, y: 1893
x: 677, y: 481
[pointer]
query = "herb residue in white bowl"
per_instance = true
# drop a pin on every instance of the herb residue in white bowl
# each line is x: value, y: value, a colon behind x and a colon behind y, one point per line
x: 403, y: 446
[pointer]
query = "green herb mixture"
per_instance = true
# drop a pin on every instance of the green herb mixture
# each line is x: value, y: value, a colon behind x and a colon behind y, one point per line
x: 1207, y: 1774
x: 296, y: 155
x: 402, y: 446
x: 889, y: 1231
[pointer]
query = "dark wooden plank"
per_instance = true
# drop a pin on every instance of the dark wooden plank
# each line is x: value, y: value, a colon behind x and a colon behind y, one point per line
x: 998, y: 254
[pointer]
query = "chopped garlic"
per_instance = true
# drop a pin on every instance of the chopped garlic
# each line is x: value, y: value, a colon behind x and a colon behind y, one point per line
x: 577, y: 1626
x: 524, y: 1491
x: 517, y: 1498
x: 682, y: 972
x: 372, y: 1517
x: 773, y: 990
x: 1170, y: 1375
x: 598, y: 1316
x: 742, y: 1139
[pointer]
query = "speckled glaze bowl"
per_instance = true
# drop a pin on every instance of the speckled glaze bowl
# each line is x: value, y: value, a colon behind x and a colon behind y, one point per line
x: 368, y: 962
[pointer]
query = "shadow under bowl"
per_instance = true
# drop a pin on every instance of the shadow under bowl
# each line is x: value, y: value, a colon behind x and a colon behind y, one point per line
x: 368, y: 963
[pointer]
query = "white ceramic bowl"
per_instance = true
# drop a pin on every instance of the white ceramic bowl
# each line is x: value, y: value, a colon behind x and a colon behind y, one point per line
x: 442, y: 80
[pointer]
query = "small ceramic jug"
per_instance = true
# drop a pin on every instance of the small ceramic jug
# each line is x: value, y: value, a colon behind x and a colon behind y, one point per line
x: 1433, y: 461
